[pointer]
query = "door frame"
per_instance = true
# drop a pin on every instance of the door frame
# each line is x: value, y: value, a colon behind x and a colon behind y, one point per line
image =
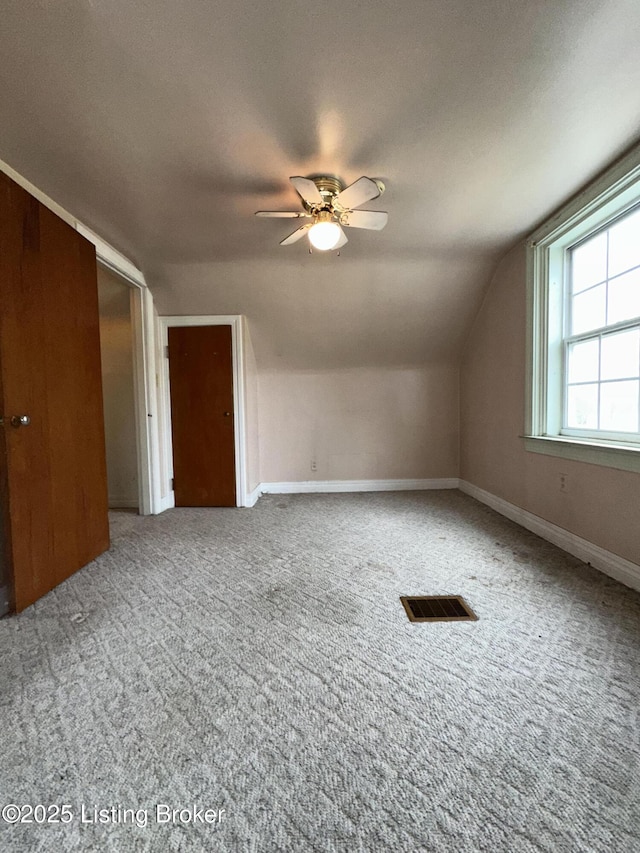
x: 144, y: 369
x: 239, y: 401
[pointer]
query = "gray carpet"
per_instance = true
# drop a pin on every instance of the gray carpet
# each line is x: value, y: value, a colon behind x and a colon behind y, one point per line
x: 260, y: 661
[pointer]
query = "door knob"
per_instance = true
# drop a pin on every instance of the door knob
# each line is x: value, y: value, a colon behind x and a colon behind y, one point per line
x: 20, y: 420
x: 227, y: 414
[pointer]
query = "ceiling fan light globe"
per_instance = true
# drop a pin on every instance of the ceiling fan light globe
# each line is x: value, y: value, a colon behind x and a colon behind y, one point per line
x: 324, y: 235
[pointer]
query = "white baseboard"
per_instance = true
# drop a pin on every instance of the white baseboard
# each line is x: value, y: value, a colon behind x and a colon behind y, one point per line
x: 320, y: 486
x: 326, y: 486
x: 251, y: 498
x: 611, y: 564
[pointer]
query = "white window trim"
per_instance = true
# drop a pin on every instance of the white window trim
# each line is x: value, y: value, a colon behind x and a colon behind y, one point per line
x: 613, y: 192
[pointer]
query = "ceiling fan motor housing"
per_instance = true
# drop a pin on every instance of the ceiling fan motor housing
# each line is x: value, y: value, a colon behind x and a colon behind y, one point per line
x: 328, y: 187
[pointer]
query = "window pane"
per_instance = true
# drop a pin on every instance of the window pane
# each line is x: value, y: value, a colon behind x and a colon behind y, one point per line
x: 589, y: 263
x: 582, y: 406
x: 620, y: 355
x: 624, y: 297
x: 588, y: 310
x: 624, y: 244
x: 619, y: 406
x: 583, y: 361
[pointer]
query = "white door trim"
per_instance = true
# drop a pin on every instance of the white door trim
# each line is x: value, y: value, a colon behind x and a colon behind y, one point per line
x: 239, y: 398
x: 141, y: 309
x: 144, y: 384
x: 146, y: 403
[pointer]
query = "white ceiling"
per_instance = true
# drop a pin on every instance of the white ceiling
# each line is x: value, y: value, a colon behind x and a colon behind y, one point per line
x: 164, y: 125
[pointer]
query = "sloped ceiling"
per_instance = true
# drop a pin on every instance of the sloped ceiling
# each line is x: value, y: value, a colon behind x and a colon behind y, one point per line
x: 164, y: 125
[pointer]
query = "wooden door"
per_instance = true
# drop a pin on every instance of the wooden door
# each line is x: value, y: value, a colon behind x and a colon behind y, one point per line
x: 53, y: 483
x: 201, y: 383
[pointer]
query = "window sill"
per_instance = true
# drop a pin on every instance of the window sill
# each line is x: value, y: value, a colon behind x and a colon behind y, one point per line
x: 609, y: 454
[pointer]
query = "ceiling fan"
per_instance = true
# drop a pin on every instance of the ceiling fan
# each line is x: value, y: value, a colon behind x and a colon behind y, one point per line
x: 329, y: 206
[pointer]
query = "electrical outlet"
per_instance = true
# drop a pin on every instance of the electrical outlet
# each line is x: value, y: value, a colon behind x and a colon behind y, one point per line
x: 563, y: 480
x: 314, y: 465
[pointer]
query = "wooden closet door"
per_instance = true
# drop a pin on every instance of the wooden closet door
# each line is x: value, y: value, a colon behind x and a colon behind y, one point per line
x: 53, y: 482
x: 201, y: 382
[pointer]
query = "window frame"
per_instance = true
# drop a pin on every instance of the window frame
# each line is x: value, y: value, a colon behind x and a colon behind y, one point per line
x: 608, y: 198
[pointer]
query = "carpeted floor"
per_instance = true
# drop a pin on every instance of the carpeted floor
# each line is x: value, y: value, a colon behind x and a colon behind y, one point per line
x: 259, y: 661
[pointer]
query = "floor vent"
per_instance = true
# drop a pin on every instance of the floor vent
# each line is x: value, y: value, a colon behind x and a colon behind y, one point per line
x: 437, y: 608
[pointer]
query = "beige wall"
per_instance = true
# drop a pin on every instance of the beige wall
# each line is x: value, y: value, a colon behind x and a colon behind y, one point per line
x: 333, y: 313
x: 356, y: 362
x: 358, y: 424
x: 117, y: 385
x: 602, y: 504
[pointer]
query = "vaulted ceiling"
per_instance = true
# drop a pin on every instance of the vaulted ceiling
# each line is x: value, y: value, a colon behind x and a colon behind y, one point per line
x: 164, y: 125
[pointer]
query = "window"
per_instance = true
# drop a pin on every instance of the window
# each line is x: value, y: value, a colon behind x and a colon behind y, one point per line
x: 602, y: 334
x: 584, y: 325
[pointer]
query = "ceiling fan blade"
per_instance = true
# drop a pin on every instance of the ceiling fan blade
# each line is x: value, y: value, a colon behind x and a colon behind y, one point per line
x: 364, y: 189
x: 281, y: 214
x: 343, y: 239
x: 293, y: 238
x: 307, y: 190
x: 375, y: 220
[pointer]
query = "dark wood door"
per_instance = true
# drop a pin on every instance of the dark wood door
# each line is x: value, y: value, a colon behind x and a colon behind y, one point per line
x: 53, y: 478
x: 202, y: 417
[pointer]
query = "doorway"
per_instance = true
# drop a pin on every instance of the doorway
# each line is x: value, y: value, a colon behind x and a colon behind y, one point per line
x: 201, y: 392
x: 145, y: 381
x: 117, y: 356
x: 143, y: 321
x: 235, y: 421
